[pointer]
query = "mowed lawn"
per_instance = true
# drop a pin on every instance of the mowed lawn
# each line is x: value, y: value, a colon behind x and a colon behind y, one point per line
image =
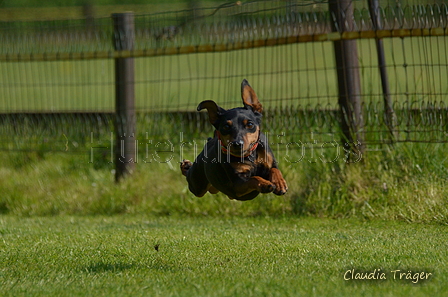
x: 203, y: 256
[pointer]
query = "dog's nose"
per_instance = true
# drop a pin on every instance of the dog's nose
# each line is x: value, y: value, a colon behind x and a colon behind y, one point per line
x: 238, y: 143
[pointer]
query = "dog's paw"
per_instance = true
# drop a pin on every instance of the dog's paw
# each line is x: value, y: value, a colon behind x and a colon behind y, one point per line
x: 266, y: 187
x: 280, y: 184
x: 184, y: 166
x: 281, y: 189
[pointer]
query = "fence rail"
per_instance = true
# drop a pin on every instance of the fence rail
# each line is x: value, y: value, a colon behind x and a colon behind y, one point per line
x: 233, y: 26
x: 210, y: 48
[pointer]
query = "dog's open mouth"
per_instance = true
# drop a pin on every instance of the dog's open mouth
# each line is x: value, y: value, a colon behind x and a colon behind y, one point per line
x: 242, y: 151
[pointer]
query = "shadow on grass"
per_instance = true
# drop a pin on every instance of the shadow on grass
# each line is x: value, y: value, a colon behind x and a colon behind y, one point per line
x: 109, y: 267
x: 102, y: 267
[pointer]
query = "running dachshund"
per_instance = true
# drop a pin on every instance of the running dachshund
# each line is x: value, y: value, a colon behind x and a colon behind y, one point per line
x: 238, y: 160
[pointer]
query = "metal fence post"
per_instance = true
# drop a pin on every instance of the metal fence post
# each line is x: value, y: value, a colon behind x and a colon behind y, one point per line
x: 349, y: 84
x: 390, y: 118
x: 125, y: 152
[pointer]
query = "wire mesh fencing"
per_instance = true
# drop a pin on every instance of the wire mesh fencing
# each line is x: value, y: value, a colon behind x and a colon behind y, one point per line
x: 58, y: 88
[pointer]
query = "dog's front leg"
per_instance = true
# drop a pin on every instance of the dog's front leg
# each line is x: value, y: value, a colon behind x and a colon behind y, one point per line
x: 254, y: 183
x: 276, y: 177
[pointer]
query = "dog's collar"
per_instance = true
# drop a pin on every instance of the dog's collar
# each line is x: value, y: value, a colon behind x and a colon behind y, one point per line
x: 226, y: 151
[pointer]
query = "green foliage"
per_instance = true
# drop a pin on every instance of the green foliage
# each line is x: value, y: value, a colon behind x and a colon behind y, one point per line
x: 406, y: 182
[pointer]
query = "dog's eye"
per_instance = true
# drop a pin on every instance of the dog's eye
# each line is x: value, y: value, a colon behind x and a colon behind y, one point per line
x: 250, y: 125
x: 226, y: 127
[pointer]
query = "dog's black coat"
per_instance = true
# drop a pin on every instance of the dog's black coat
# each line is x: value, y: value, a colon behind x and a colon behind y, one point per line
x: 238, y: 160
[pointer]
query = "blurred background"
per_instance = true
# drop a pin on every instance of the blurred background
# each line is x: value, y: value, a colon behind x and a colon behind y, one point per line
x: 64, y: 9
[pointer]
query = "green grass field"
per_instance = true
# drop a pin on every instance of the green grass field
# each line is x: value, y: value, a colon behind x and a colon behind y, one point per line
x: 117, y: 256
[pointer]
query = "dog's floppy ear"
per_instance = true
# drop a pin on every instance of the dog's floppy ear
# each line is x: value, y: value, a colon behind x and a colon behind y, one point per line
x: 214, y: 111
x: 249, y: 97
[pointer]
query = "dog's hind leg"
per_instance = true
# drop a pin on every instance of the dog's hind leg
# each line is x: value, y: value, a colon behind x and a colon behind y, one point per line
x: 184, y: 166
x: 196, y: 178
x: 212, y: 189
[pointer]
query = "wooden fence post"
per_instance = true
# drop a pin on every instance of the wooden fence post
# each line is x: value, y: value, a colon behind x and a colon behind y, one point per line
x: 125, y: 152
x: 349, y: 84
